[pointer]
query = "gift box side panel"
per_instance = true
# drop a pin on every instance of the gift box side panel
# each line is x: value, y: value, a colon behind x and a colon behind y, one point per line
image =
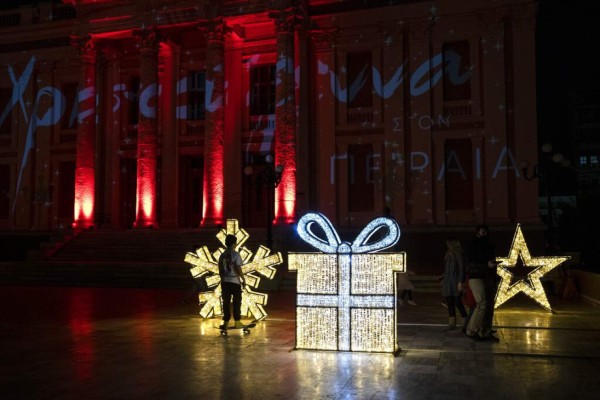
x: 373, y: 330
x: 317, y: 272
x: 317, y: 328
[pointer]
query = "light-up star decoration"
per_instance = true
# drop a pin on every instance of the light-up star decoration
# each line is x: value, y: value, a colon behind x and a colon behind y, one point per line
x: 346, y: 294
x: 531, y: 286
x: 206, y: 264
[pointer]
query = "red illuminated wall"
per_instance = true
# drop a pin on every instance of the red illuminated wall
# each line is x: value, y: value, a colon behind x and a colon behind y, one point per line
x: 422, y: 95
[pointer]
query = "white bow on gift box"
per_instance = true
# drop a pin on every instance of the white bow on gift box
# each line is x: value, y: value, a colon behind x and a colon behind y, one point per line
x: 346, y: 294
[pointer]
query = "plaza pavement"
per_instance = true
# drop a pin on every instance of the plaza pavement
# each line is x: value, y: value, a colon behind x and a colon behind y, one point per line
x: 103, y: 343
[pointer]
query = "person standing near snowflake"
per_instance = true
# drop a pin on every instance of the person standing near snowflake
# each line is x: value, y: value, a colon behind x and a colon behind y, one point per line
x: 232, y: 279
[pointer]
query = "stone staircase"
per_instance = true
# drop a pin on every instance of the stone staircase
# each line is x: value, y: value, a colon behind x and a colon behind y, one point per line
x: 117, y: 258
x: 153, y: 246
x: 148, y: 258
x: 426, y: 284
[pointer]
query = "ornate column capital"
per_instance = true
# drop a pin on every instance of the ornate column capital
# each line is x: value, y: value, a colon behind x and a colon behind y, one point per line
x: 109, y: 54
x: 492, y: 20
x: 324, y: 39
x: 86, y: 45
x: 215, y: 29
x: 419, y: 29
x: 148, y: 38
x: 285, y: 20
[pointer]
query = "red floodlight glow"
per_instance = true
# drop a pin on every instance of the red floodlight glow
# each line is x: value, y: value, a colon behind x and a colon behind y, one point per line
x: 84, y: 200
x: 146, y: 193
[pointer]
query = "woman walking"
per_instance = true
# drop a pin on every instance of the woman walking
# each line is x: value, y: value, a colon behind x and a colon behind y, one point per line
x: 452, y: 278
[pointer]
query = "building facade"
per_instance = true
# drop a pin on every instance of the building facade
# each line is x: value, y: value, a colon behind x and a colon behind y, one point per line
x: 163, y: 113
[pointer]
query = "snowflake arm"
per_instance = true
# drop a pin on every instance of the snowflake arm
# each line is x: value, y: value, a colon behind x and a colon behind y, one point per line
x: 205, y: 264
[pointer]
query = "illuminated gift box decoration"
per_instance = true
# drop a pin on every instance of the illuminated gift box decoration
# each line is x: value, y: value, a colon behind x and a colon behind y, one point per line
x: 531, y: 286
x: 205, y: 264
x: 346, y: 295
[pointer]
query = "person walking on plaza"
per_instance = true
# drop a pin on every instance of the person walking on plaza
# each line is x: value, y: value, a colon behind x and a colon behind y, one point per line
x: 481, y: 267
x: 405, y: 288
x: 404, y: 285
x: 232, y: 279
x: 452, y: 278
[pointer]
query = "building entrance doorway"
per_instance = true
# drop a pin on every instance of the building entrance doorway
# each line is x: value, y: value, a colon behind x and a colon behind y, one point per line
x: 128, y: 169
x: 4, y: 191
x: 191, y: 179
x: 66, y: 193
x: 255, y: 190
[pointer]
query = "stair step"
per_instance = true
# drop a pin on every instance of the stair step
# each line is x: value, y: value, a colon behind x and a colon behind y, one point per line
x: 143, y: 258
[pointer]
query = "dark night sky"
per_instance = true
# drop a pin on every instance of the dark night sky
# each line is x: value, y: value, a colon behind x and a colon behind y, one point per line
x: 567, y: 45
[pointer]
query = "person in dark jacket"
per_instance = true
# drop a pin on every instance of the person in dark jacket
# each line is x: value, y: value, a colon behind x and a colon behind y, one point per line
x: 481, y: 266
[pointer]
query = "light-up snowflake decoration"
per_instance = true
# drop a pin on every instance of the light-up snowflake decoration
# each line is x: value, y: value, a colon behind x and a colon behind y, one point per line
x: 346, y: 295
x: 531, y: 286
x: 205, y: 264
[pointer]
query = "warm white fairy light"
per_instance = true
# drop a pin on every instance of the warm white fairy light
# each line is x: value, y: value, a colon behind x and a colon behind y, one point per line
x: 346, y: 301
x: 205, y: 264
x: 531, y: 286
x: 371, y: 329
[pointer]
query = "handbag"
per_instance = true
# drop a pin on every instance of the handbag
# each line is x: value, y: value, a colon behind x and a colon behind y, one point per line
x: 467, y: 297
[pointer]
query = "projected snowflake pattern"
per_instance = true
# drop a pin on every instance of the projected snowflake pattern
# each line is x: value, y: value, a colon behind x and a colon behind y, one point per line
x: 205, y: 264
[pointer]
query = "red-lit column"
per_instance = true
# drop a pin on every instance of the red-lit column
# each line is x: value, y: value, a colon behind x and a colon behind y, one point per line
x: 86, y: 136
x: 169, y: 54
x: 147, y: 131
x: 212, y: 208
x: 285, y: 116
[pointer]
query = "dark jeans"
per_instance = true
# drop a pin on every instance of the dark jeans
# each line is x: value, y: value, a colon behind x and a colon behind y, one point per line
x: 491, y: 287
x: 231, y: 290
x: 406, y: 294
x: 453, y: 302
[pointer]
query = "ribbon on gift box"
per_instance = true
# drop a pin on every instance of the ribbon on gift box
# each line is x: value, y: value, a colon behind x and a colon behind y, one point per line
x: 333, y: 244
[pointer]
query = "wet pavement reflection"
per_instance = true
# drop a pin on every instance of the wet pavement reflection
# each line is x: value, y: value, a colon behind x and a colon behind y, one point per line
x: 145, y: 344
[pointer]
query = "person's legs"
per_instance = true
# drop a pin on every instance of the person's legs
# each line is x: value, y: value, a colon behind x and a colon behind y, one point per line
x: 451, y: 312
x: 451, y: 309
x: 226, y: 295
x: 490, y: 295
x: 236, y: 291
x: 476, y: 321
x: 467, y: 319
x: 460, y: 306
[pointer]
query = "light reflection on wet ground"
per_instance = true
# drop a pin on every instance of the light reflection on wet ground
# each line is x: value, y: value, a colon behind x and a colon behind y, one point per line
x: 129, y: 343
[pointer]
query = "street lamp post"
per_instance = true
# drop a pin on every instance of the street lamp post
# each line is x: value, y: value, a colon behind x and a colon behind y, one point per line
x: 542, y: 171
x: 271, y: 177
